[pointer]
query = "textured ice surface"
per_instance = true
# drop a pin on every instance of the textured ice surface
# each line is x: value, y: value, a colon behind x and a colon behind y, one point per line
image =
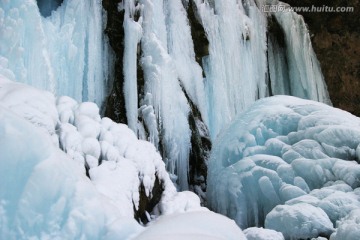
x: 348, y: 227
x: 299, y: 221
x: 287, y: 151
x: 65, y: 53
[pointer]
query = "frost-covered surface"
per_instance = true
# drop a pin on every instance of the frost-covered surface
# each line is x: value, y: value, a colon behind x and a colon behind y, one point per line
x: 348, y: 227
x: 299, y: 156
x: 65, y: 53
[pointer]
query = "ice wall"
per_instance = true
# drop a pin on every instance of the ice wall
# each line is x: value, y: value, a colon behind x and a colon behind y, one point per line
x: 65, y: 53
x: 244, y: 63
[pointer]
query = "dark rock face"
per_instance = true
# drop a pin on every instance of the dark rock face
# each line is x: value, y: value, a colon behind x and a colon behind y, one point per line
x: 147, y: 203
x: 200, y: 151
x: 336, y: 41
x: 47, y: 6
x: 115, y: 106
x: 201, y: 43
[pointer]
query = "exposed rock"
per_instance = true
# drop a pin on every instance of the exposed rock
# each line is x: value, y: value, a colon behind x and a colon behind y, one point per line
x: 147, y: 203
x: 201, y: 43
x: 115, y: 106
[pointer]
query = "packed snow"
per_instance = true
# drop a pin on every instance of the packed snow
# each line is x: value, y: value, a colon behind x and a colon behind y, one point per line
x: 291, y: 165
x: 202, y: 225
x: 45, y: 195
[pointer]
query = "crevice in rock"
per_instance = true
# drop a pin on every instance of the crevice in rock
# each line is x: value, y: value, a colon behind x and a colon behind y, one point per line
x: 147, y: 203
x: 200, y: 151
x: 115, y: 105
x: 201, y: 43
x: 47, y: 6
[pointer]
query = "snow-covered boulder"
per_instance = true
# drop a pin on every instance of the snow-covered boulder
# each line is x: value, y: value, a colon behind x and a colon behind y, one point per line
x: 128, y: 171
x: 45, y: 195
x: 299, y: 221
x: 287, y: 151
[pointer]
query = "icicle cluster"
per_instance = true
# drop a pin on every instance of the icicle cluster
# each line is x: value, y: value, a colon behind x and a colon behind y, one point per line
x: 243, y: 61
x: 65, y: 53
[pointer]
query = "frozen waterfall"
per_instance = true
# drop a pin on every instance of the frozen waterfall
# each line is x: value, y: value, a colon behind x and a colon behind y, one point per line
x: 67, y: 53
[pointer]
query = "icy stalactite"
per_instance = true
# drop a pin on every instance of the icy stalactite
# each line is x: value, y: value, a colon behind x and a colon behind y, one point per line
x: 306, y: 79
x: 156, y: 65
x: 181, y: 49
x: 63, y: 53
x: 168, y: 100
x: 279, y: 82
x: 236, y: 66
x: 132, y: 36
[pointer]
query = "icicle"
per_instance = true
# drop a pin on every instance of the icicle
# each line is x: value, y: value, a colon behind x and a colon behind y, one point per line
x: 161, y: 81
x: 62, y: 53
x: 306, y: 79
x: 181, y: 49
x: 236, y: 67
x: 132, y: 31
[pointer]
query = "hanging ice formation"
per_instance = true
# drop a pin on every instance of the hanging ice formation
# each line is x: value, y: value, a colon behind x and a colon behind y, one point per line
x: 246, y: 61
x: 65, y: 53
x: 249, y: 54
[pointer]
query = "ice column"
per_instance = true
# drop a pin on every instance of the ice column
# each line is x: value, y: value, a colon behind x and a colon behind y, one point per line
x: 162, y: 84
x: 65, y: 53
x: 306, y: 79
x: 236, y: 66
x: 181, y: 49
x: 133, y: 32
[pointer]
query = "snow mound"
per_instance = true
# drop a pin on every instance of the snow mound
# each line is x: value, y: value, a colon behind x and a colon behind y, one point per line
x: 299, y: 221
x: 45, y: 195
x: 255, y: 233
x: 193, y: 225
x: 287, y: 151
